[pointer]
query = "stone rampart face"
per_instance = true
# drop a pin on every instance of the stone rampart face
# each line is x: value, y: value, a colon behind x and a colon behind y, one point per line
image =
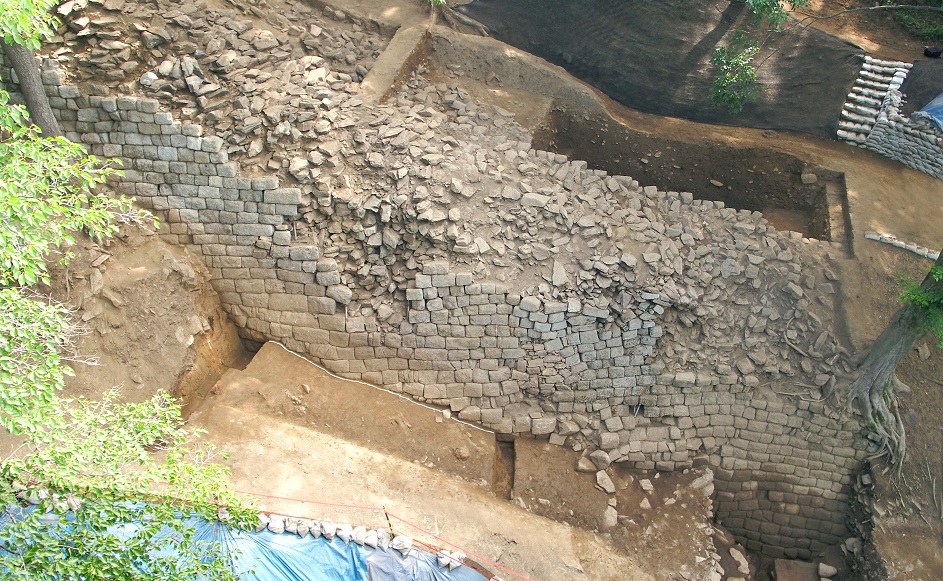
x: 641, y: 340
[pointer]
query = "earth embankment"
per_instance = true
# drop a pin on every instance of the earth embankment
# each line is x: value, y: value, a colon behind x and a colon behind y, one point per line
x: 625, y: 50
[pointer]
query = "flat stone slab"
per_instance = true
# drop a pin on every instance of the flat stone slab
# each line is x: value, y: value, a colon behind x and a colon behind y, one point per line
x: 787, y: 570
x: 391, y: 68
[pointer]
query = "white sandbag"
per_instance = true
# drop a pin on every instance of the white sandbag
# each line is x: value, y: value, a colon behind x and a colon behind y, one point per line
x: 304, y: 527
x: 276, y: 524
x: 345, y: 532
x: 372, y: 539
x: 383, y: 539
x: 328, y: 529
x: 263, y: 522
x: 402, y: 543
x: 457, y: 560
x: 360, y: 534
x: 443, y: 558
x: 291, y: 525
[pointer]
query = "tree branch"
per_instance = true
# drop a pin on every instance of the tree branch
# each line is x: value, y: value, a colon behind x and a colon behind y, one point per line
x: 870, y: 8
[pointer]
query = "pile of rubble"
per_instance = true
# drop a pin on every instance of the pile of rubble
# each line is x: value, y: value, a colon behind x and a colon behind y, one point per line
x: 432, y: 175
x: 425, y: 245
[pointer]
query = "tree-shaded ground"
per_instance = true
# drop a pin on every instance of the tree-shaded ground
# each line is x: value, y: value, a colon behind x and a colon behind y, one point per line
x: 626, y: 50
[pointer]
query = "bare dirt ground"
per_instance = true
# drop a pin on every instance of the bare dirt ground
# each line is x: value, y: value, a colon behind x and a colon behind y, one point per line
x: 148, y: 302
x: 877, y: 32
x: 152, y: 321
x: 311, y: 444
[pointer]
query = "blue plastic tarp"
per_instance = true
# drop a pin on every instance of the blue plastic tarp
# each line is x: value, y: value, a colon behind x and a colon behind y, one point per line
x: 265, y: 556
x: 933, y: 112
x: 417, y: 565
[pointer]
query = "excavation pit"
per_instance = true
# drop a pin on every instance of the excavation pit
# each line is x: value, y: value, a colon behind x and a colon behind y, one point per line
x: 790, y: 194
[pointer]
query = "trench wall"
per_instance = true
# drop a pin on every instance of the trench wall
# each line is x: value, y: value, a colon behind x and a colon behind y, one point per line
x: 516, y: 364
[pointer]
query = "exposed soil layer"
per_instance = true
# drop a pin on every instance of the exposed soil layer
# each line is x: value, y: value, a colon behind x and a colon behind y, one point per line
x: 923, y: 84
x: 750, y: 178
x: 626, y: 50
x: 151, y: 320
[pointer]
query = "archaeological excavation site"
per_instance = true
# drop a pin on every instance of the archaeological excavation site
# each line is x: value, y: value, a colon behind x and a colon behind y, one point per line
x: 405, y: 269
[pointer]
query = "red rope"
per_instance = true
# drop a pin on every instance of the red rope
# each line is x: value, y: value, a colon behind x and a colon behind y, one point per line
x: 354, y: 506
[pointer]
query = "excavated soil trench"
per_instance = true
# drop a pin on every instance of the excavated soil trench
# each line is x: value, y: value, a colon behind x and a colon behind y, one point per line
x: 751, y: 178
x: 745, y: 178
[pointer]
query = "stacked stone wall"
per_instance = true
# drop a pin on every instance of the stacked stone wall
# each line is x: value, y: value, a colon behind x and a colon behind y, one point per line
x: 515, y: 363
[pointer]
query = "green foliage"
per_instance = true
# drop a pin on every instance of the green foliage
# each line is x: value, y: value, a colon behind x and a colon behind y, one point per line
x: 93, y: 467
x: 82, y: 529
x: 735, y: 81
x: 774, y: 11
x: 923, y: 24
x: 45, y: 194
x: 33, y: 336
x: 929, y: 301
x: 436, y: 2
x: 27, y: 22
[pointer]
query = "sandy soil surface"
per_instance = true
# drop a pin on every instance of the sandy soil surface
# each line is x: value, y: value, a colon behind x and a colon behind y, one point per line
x: 319, y: 451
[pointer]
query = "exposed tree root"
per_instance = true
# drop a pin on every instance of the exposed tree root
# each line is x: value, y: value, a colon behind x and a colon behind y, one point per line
x: 875, y: 393
x: 876, y: 384
x: 459, y: 22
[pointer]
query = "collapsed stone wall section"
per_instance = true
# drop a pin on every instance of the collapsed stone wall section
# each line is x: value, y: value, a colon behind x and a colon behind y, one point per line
x: 517, y: 364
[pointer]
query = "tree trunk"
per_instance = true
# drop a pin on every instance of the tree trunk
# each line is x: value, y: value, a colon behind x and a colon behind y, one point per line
x: 876, y: 382
x: 31, y: 85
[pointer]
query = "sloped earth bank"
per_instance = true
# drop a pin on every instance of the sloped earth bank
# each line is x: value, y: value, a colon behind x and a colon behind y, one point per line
x: 626, y: 50
x: 888, y: 198
x: 654, y: 56
x: 151, y: 319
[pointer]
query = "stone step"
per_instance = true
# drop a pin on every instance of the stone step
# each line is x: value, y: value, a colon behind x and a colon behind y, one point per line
x: 394, y: 64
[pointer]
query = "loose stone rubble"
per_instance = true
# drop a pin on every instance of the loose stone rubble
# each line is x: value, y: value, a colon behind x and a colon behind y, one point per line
x: 423, y: 245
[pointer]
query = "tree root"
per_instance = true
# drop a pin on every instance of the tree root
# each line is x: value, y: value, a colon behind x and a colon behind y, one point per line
x: 461, y: 23
x: 882, y: 414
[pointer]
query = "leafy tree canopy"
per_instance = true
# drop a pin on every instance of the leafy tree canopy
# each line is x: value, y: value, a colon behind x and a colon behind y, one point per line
x: 26, y: 22
x: 110, y: 481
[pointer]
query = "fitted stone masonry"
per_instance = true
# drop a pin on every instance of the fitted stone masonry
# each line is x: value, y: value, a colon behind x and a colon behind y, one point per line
x: 575, y: 370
